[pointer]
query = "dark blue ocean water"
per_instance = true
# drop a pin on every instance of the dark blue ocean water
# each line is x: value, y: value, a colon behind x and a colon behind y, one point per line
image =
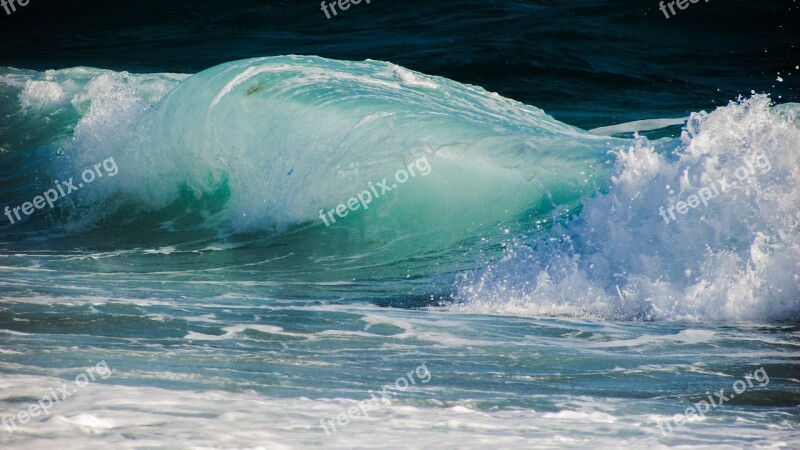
x: 588, y: 63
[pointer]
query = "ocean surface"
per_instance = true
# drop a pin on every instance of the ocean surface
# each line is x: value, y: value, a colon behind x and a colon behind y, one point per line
x: 538, y: 224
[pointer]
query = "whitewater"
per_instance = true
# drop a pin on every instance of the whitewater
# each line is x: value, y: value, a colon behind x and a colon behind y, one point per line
x: 530, y: 269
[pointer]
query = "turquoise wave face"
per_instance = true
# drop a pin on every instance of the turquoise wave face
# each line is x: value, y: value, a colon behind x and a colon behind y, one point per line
x: 292, y: 135
x: 337, y: 160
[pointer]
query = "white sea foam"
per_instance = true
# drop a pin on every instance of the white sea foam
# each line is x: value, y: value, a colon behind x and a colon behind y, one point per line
x: 736, y: 259
x: 123, y: 417
x: 637, y: 125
